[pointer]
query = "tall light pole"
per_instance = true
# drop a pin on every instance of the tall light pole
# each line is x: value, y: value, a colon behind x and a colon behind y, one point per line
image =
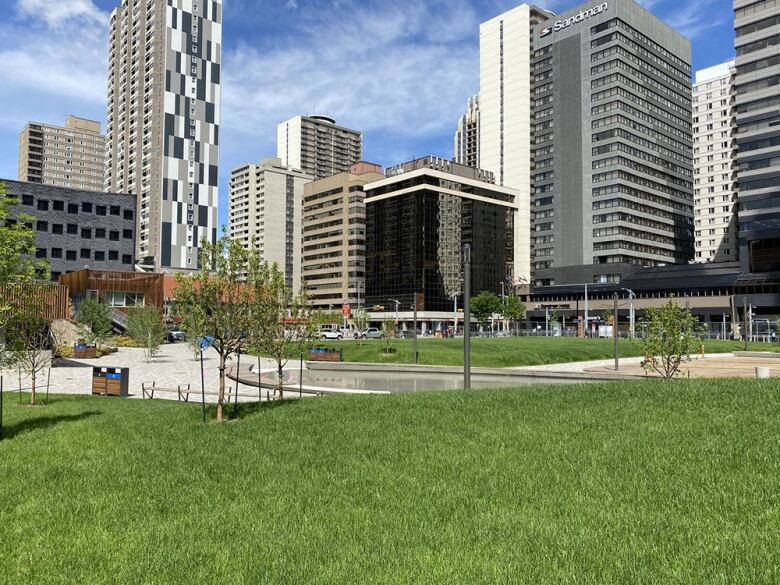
x: 615, y: 329
x: 587, y: 324
x: 454, y: 297
x: 466, y: 317
x: 631, y: 297
x: 503, y: 302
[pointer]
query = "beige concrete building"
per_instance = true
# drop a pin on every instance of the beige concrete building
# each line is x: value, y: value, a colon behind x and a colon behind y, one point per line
x: 265, y: 212
x: 334, y: 237
x: 466, y: 143
x: 72, y: 155
x: 714, y: 164
x: 163, y: 107
x: 316, y: 145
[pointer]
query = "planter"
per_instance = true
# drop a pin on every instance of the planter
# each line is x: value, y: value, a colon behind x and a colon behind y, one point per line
x: 88, y: 353
x: 325, y: 355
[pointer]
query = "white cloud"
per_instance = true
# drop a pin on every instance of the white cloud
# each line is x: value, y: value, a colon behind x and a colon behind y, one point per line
x: 57, y: 12
x: 694, y: 17
x: 401, y: 72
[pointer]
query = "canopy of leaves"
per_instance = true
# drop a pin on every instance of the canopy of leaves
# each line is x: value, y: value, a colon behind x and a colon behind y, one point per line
x: 513, y: 308
x: 484, y: 305
x: 17, y: 244
x: 94, y: 319
x: 670, y: 338
x: 145, y: 326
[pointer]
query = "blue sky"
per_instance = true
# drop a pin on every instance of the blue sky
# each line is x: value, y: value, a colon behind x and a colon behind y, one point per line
x: 400, y: 71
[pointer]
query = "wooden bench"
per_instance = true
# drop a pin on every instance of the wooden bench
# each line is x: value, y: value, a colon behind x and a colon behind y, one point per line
x: 149, y: 388
x: 185, y: 391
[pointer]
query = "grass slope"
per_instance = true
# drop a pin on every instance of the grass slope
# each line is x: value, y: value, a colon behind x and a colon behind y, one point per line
x: 648, y: 482
x: 509, y: 352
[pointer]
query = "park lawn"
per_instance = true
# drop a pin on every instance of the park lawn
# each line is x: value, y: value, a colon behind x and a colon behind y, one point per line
x: 642, y: 482
x: 503, y: 352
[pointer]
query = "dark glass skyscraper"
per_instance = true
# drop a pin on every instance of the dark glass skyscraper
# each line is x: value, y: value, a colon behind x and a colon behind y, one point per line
x: 417, y: 220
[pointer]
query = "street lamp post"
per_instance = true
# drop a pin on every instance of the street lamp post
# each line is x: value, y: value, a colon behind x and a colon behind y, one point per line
x: 615, y: 327
x: 466, y: 317
x: 397, y: 304
x: 587, y: 323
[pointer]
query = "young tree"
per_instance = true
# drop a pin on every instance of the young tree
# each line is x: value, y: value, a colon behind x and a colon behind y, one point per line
x: 670, y: 338
x: 218, y: 301
x: 27, y: 342
x: 94, y: 320
x: 283, y: 328
x: 484, y: 305
x: 513, y: 309
x: 361, y: 321
x: 388, y: 334
x: 145, y: 326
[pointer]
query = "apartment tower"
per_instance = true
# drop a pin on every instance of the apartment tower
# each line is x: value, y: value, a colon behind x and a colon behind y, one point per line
x: 466, y: 147
x: 334, y: 237
x: 163, y: 123
x: 757, y: 26
x: 265, y: 213
x: 714, y: 165
x: 72, y: 155
x: 505, y: 110
x: 613, y: 176
x: 317, y: 146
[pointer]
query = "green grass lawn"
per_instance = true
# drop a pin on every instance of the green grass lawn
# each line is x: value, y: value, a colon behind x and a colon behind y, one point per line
x: 647, y: 482
x: 509, y: 351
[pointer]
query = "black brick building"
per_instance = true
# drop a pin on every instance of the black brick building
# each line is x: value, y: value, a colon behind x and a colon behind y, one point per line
x: 78, y: 229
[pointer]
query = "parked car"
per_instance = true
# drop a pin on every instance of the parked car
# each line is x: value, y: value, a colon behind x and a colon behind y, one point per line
x: 330, y: 334
x: 370, y: 333
x: 175, y: 335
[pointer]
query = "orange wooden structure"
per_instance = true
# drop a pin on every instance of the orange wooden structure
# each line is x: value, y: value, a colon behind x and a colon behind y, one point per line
x: 100, y: 283
x: 46, y: 299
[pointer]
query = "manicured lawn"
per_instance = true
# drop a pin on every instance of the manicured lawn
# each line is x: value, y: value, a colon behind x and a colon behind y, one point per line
x: 648, y: 482
x: 507, y: 352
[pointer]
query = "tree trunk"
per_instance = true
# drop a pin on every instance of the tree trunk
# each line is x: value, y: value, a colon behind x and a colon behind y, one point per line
x: 221, y: 397
x: 32, y: 391
x: 281, y: 380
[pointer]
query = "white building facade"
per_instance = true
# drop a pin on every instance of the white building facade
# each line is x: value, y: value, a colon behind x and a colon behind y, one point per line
x: 715, y: 170
x: 266, y: 206
x: 318, y: 146
x: 505, y: 85
x: 466, y: 142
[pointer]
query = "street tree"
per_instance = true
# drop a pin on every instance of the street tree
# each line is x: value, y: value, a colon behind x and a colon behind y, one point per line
x: 284, y: 329
x: 28, y: 346
x: 94, y: 321
x: 217, y: 303
x: 388, y: 335
x: 361, y: 321
x: 513, y: 309
x: 484, y: 305
x: 671, y: 337
x: 145, y: 327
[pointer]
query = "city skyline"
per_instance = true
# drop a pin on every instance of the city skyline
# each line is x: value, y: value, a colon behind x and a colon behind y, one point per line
x: 266, y: 59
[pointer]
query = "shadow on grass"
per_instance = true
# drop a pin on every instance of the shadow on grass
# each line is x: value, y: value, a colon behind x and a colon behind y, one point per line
x: 43, y: 422
x: 247, y: 409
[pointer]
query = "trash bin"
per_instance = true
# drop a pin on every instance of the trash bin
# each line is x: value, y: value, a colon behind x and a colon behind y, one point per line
x: 762, y: 372
x: 111, y: 381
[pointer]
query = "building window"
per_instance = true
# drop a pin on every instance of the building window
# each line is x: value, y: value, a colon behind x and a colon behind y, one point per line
x: 56, y: 252
x: 128, y: 214
x: 86, y: 207
x: 42, y: 226
x: 127, y: 234
x: 124, y: 299
x: 85, y: 254
x: 70, y: 255
x: 73, y: 229
x: 127, y: 259
x: 86, y: 233
x: 58, y: 205
x: 28, y: 200
x: 114, y: 210
x: 100, y: 210
x: 40, y: 253
x: 100, y: 233
x: 73, y: 208
x: 56, y: 228
x: 43, y: 205
x: 113, y: 255
x: 113, y: 235
x: 100, y: 256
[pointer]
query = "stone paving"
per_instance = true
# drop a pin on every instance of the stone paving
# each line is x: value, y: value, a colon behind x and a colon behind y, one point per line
x: 174, y: 365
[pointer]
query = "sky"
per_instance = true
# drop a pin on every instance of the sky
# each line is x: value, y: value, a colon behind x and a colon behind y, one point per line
x: 400, y: 71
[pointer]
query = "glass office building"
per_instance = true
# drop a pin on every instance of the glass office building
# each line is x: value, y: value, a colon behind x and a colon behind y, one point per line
x: 419, y: 217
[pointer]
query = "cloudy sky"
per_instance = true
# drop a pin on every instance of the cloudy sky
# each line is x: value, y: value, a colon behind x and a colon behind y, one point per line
x: 399, y: 70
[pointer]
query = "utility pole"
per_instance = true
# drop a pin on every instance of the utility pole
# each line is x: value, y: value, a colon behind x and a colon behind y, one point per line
x: 615, y: 329
x: 466, y: 317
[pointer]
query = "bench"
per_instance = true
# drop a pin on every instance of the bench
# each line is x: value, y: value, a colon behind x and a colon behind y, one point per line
x: 325, y: 356
x: 185, y: 391
x: 149, y: 388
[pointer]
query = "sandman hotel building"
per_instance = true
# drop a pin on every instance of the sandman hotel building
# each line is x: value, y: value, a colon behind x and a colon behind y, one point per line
x: 611, y: 144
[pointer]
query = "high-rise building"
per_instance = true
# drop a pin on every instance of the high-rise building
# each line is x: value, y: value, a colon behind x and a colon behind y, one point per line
x: 613, y: 172
x: 163, y: 123
x: 714, y: 165
x: 265, y: 213
x: 72, y: 155
x: 505, y: 47
x: 334, y: 237
x: 419, y: 217
x: 757, y: 25
x: 466, y: 148
x: 316, y: 145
